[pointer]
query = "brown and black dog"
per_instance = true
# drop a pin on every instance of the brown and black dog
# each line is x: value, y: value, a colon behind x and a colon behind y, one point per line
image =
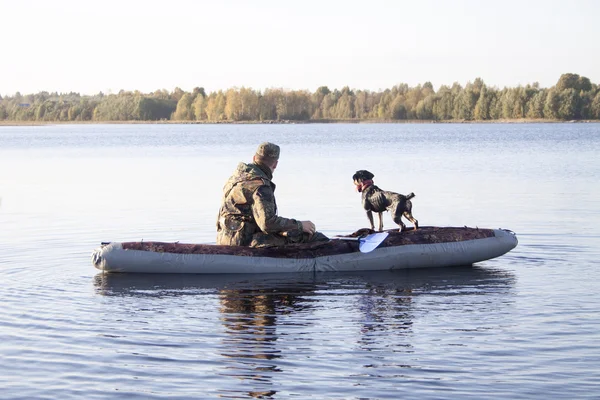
x: 377, y: 200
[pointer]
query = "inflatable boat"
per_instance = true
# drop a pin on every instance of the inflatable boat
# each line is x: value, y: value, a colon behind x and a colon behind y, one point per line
x: 425, y: 247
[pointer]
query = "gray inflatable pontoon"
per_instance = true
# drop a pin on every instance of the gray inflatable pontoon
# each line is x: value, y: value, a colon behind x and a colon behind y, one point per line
x: 425, y: 247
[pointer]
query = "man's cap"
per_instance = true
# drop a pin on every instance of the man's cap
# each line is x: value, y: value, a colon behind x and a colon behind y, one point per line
x: 268, y: 150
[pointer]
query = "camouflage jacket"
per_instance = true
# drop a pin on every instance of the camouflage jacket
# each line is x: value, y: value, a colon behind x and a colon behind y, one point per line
x: 248, y: 207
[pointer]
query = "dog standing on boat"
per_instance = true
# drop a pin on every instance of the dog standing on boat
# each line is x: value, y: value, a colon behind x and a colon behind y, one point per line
x: 376, y: 200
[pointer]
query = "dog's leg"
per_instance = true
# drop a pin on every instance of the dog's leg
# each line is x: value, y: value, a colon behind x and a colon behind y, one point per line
x: 396, y: 212
x: 408, y: 214
x: 380, y: 221
x: 412, y: 219
x: 370, y: 216
x: 401, y: 224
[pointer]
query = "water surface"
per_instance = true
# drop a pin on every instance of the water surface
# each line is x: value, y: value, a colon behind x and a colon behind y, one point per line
x: 524, y: 325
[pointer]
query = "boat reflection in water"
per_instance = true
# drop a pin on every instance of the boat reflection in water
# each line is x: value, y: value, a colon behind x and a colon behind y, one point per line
x: 272, y: 323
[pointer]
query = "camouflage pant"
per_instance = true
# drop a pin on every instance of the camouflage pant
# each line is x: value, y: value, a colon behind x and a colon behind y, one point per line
x: 241, y: 233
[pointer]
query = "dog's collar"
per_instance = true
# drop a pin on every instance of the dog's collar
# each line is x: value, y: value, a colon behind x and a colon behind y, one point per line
x: 363, y: 185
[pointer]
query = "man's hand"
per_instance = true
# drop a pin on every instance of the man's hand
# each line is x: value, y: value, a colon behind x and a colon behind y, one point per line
x: 308, y: 227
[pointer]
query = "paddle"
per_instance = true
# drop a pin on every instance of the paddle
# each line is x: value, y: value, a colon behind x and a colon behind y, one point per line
x: 368, y: 243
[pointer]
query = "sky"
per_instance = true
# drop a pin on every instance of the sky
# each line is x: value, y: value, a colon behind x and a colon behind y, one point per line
x: 88, y: 46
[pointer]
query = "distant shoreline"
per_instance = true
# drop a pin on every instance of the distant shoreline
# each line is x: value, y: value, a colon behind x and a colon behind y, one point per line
x: 290, y: 122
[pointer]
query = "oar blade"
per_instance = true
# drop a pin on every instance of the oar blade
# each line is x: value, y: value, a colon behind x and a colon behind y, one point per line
x: 371, y: 242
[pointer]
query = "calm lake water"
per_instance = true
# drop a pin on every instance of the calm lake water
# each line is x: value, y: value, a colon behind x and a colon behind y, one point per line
x: 522, y: 326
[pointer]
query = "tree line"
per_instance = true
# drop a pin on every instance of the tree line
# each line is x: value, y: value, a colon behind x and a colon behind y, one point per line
x: 573, y: 97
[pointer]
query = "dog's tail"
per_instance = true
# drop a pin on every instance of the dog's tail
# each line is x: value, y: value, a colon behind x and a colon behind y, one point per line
x: 410, y: 196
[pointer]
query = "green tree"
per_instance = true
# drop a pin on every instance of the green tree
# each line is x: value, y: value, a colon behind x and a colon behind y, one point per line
x: 569, y: 105
x: 317, y: 100
x: 496, y: 105
x: 397, y: 109
x: 427, y: 90
x: 410, y: 98
x: 584, y: 84
x: 156, y: 108
x: 444, y: 104
x: 535, y: 109
x: 573, y: 81
x: 177, y: 94
x: 122, y: 107
x: 344, y: 108
x: 198, y: 91
x: 519, y: 102
x: 573, y: 97
x: 567, y: 81
x: 424, y: 109
x: 74, y: 113
x: 594, y: 107
x: 384, y: 108
x: 482, y: 107
x: 466, y: 100
x: 552, y: 104
x: 585, y: 104
x: 509, y: 103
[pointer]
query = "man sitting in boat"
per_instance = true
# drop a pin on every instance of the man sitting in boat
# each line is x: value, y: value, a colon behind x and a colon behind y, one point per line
x: 248, y: 214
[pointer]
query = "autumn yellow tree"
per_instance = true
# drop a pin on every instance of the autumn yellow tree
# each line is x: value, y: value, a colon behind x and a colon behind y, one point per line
x: 215, y: 107
x: 184, y: 111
